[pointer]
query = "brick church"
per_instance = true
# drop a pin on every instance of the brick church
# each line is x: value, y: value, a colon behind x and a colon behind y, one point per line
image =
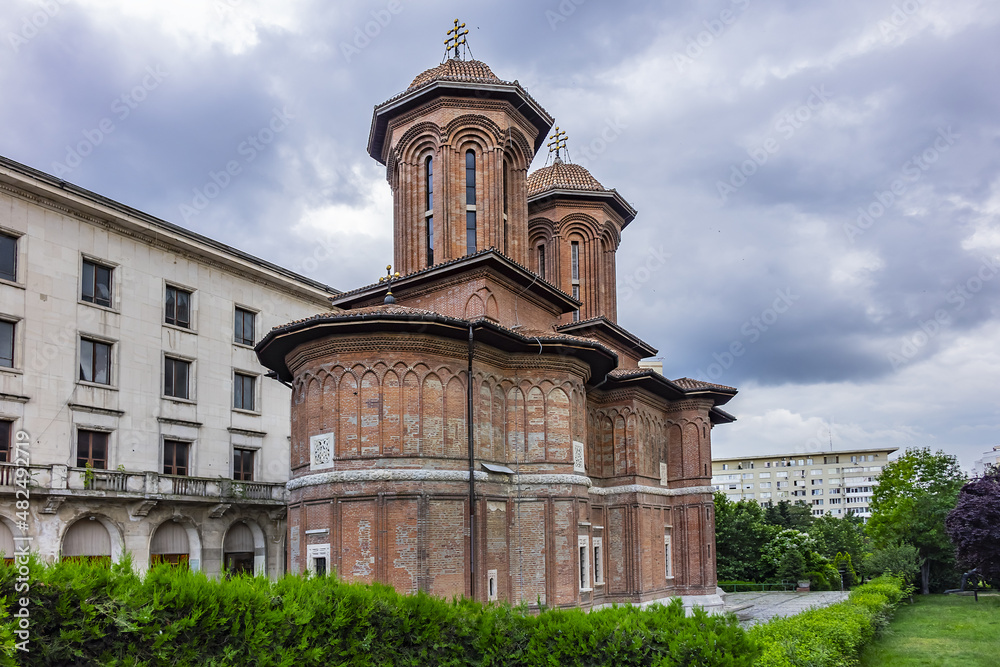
x: 477, y: 423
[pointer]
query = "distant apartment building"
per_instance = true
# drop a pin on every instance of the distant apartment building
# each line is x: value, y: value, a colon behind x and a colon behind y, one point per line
x: 990, y: 458
x: 837, y: 482
x: 134, y: 415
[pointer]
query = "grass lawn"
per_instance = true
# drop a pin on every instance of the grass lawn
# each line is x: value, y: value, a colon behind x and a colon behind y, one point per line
x: 940, y: 630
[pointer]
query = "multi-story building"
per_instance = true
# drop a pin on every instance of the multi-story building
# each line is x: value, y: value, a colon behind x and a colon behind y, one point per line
x: 990, y: 458
x: 485, y: 428
x: 130, y: 394
x: 835, y: 482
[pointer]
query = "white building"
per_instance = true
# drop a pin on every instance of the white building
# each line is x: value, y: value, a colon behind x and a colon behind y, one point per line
x: 988, y: 459
x: 829, y: 482
x: 129, y: 385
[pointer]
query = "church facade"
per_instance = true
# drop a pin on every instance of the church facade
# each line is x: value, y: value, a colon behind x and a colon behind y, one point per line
x: 477, y: 424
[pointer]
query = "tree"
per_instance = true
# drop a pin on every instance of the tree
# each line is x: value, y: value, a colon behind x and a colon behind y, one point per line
x: 974, y: 526
x: 898, y: 559
x: 914, y: 495
x: 740, y: 536
x: 835, y: 536
x: 786, y: 515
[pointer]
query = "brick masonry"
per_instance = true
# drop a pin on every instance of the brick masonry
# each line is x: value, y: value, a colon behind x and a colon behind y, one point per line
x: 393, y: 503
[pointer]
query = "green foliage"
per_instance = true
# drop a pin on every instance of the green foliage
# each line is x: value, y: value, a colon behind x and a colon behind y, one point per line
x: 93, y: 613
x: 902, y: 560
x: 784, y: 514
x: 740, y: 537
x: 834, y: 535
x: 844, y: 562
x: 832, y: 636
x: 914, y: 495
x: 792, y: 566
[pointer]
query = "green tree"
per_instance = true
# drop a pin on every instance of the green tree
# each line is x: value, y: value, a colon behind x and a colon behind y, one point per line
x: 787, y: 515
x: 898, y: 559
x: 835, y: 536
x: 792, y: 566
x: 914, y: 495
x: 740, y: 537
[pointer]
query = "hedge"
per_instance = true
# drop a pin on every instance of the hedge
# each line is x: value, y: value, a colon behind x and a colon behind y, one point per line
x: 832, y: 636
x: 89, y: 613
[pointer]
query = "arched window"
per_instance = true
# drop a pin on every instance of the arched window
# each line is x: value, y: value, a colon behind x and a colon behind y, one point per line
x: 429, y: 214
x: 541, y: 261
x: 87, y: 540
x: 470, y: 202
x: 169, y: 544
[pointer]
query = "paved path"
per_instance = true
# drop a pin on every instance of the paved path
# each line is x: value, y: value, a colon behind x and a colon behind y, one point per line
x: 768, y: 605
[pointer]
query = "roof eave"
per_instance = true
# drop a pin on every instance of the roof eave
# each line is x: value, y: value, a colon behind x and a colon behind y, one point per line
x: 384, y: 112
x: 613, y: 197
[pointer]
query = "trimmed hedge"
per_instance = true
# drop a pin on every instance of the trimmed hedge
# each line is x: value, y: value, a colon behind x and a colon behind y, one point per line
x: 83, y: 613
x: 832, y: 636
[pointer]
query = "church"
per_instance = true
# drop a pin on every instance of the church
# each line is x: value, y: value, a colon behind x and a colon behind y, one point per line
x: 477, y: 422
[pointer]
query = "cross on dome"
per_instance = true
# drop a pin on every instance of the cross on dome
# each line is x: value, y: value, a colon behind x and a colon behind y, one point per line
x: 558, y: 142
x: 456, y: 38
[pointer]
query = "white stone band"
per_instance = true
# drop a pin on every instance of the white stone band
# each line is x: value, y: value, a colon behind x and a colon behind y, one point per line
x: 652, y: 490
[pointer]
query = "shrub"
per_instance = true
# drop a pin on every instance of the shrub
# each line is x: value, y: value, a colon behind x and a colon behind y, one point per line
x: 90, y: 613
x: 832, y: 636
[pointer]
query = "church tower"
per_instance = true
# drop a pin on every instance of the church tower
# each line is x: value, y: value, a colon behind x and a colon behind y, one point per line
x: 456, y: 145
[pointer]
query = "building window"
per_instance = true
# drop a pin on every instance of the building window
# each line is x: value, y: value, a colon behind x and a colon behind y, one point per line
x: 95, y: 361
x: 541, y: 262
x: 6, y: 344
x: 598, y: 560
x: 668, y: 558
x: 6, y: 452
x: 583, y: 544
x: 96, y: 283
x: 243, y: 391
x: 506, y: 197
x: 470, y: 202
x: 243, y: 331
x: 8, y: 257
x: 178, y: 307
x: 175, y: 457
x: 429, y: 214
x: 176, y: 374
x: 574, y: 250
x: 92, y: 449
x: 243, y: 465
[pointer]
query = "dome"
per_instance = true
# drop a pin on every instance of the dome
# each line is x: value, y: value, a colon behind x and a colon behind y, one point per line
x: 562, y: 176
x: 455, y: 69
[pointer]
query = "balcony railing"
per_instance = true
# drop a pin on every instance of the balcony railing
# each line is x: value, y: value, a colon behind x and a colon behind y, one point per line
x: 130, y: 484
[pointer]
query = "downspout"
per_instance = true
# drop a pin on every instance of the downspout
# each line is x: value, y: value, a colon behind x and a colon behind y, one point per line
x: 470, y: 423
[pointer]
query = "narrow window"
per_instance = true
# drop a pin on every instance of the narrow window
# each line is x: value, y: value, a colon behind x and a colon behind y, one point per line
x: 598, y: 561
x: 6, y: 344
x: 583, y: 546
x: 8, y: 257
x: 470, y: 202
x: 243, y: 332
x: 6, y: 456
x: 95, y: 361
x: 574, y: 249
x: 243, y: 391
x: 178, y: 307
x: 583, y: 567
x: 96, y: 284
x: 176, y: 373
x: 668, y: 558
x: 175, y: 457
x: 506, y: 197
x: 243, y: 465
x: 429, y: 214
x: 320, y: 567
x: 92, y: 448
x: 541, y: 261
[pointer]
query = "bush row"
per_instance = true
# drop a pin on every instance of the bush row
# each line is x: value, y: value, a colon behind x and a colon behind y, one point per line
x: 832, y: 636
x: 83, y: 613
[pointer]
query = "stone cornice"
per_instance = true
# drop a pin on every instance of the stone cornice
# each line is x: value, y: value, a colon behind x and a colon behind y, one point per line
x: 651, y: 490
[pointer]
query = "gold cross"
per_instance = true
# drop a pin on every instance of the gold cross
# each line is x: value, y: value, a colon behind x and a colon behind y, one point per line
x: 389, y: 275
x: 456, y: 37
x: 558, y: 141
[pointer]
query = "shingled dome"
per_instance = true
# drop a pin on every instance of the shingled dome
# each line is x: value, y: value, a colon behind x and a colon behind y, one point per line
x: 562, y: 176
x: 455, y: 69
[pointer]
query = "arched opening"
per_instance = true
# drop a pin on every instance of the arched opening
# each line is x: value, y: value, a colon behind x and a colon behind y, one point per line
x: 6, y: 542
x: 170, y: 545
x: 87, y: 539
x: 506, y: 202
x: 243, y: 549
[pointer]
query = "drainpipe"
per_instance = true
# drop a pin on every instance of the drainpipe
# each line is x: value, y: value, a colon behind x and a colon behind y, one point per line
x: 470, y: 423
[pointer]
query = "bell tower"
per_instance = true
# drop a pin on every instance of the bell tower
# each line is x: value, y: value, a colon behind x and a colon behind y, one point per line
x: 456, y: 145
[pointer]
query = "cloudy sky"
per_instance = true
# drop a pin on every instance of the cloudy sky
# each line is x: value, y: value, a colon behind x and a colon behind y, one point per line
x: 818, y: 184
